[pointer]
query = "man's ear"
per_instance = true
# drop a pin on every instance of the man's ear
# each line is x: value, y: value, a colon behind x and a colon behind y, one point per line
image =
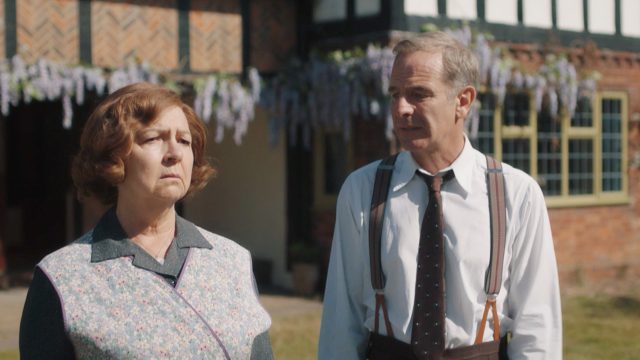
x: 464, y: 101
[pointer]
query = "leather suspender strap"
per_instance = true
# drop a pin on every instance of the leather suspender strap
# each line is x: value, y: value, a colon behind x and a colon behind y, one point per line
x: 498, y: 214
x: 378, y: 201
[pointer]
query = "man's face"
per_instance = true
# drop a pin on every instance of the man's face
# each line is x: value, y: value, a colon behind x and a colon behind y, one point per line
x: 423, y: 106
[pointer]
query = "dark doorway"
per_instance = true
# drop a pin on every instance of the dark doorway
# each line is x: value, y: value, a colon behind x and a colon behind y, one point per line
x: 41, y: 208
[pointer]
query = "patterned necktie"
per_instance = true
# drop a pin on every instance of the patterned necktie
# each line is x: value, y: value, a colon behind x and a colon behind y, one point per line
x: 427, y: 331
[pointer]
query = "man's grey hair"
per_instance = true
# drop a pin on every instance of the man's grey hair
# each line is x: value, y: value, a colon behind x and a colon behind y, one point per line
x: 459, y: 64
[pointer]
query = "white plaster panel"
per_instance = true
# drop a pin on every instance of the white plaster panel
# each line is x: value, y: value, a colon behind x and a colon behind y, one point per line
x: 629, y: 17
x: 570, y: 15
x: 462, y: 9
x: 329, y: 10
x: 501, y: 11
x: 421, y: 7
x: 367, y: 7
x: 602, y: 18
x: 537, y: 13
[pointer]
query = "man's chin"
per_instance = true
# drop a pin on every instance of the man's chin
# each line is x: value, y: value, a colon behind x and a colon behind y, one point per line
x: 418, y: 145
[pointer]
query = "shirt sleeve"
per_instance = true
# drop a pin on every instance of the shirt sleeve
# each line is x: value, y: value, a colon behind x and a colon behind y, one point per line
x: 342, y: 332
x: 42, y: 332
x: 534, y: 295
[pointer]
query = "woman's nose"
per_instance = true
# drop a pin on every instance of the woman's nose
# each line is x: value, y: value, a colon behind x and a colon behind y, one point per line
x: 174, y: 151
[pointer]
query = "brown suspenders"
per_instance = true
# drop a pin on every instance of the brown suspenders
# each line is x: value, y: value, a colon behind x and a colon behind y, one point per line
x: 497, y: 211
x: 378, y: 202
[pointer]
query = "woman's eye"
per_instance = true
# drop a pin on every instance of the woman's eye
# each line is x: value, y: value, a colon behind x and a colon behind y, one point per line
x: 185, y: 142
x: 151, y: 139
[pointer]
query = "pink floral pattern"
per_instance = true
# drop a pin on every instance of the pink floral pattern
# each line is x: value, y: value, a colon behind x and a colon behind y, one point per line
x: 115, y: 310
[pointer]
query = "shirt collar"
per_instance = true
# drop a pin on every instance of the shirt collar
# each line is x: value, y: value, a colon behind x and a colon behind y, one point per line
x: 110, y: 241
x: 462, y: 166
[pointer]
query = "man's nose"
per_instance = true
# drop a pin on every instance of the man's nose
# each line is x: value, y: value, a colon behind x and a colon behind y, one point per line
x: 402, y: 107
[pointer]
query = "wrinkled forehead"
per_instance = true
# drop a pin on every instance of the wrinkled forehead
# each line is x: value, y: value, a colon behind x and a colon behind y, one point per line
x: 417, y: 65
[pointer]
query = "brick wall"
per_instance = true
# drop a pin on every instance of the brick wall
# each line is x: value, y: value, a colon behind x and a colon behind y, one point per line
x: 147, y: 30
x: 122, y: 30
x: 215, y: 35
x: 602, y: 243
x: 273, y: 35
x: 47, y: 28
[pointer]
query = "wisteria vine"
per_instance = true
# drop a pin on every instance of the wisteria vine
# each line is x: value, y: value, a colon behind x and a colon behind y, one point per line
x: 332, y: 90
x: 222, y: 95
x: 325, y: 91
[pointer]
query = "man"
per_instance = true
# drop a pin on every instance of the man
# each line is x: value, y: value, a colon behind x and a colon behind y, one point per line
x: 432, y: 91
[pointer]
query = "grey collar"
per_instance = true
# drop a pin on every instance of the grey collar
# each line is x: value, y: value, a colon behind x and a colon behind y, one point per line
x: 110, y: 241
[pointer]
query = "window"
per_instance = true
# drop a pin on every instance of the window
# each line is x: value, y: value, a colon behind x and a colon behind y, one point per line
x: 577, y: 160
x: 333, y: 160
x: 329, y: 10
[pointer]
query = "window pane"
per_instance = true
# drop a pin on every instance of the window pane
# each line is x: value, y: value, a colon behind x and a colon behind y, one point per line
x: 329, y: 10
x: 580, y: 166
x: 549, y: 154
x: 583, y: 116
x: 367, y: 7
x: 611, y: 145
x: 515, y: 110
x: 484, y: 141
x: 515, y: 152
x: 335, y: 162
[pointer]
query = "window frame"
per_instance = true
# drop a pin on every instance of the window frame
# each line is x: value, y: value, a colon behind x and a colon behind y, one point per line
x: 322, y: 199
x: 568, y: 132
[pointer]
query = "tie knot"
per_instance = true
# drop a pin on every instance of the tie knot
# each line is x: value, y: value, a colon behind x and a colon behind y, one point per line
x: 435, y: 182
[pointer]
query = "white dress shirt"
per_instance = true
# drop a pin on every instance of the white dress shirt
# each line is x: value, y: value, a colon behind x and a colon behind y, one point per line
x: 528, y: 303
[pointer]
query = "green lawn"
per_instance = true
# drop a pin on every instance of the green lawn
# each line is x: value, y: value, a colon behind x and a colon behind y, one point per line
x: 595, y: 327
x: 602, y: 327
x: 9, y: 354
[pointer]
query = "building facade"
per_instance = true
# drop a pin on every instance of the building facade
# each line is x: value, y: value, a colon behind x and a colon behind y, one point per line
x: 271, y: 194
x: 585, y: 159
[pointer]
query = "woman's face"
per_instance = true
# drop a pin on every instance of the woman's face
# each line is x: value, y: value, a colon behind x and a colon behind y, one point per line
x: 159, y: 166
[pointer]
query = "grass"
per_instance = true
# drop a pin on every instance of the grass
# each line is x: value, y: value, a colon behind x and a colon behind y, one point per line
x: 9, y: 354
x: 295, y: 337
x: 604, y: 327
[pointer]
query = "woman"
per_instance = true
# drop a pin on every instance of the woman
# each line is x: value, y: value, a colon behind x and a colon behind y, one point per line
x: 144, y: 283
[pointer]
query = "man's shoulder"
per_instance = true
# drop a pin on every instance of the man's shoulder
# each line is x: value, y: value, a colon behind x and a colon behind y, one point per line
x: 520, y: 186
x: 363, y: 175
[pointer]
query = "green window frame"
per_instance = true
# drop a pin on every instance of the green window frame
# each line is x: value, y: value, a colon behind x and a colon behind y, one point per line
x: 578, y: 161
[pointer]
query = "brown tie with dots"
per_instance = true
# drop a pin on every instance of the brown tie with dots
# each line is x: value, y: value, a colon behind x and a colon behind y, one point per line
x: 427, y: 331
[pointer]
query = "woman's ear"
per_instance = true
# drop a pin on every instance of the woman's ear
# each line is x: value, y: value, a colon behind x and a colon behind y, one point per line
x: 464, y: 101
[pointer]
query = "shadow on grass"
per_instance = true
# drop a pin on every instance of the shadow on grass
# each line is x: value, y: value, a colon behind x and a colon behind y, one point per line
x: 602, y: 306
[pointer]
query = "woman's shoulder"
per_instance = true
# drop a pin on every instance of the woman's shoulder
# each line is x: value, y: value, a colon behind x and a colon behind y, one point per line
x: 76, y: 251
x: 221, y: 242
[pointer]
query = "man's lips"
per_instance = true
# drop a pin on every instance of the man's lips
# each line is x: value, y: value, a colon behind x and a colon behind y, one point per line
x: 410, y: 128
